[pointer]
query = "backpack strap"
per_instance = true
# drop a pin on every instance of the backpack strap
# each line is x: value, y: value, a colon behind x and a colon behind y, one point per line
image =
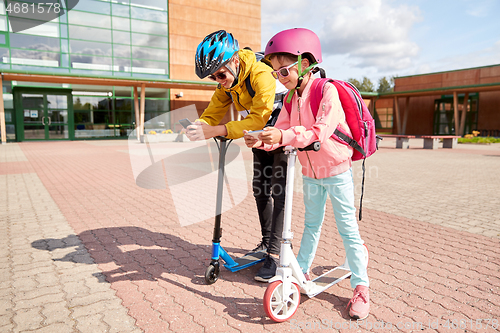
x: 248, y: 84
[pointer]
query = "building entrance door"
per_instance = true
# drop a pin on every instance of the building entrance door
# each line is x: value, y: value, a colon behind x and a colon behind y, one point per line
x: 43, y: 115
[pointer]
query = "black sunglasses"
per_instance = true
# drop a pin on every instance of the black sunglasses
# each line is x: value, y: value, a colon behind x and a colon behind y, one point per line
x: 220, y: 76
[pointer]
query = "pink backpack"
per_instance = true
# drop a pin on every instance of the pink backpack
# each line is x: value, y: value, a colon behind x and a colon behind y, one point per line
x: 358, y: 117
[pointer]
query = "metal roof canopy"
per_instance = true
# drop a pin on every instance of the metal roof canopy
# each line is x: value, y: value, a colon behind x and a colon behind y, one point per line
x: 108, y: 81
x: 443, y: 90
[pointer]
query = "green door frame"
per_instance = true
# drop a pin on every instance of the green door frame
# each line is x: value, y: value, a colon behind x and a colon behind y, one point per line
x: 19, y: 110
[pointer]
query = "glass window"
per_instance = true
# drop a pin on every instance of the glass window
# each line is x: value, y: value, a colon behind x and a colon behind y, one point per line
x: 44, y: 29
x: 121, y: 37
x: 63, y: 18
x: 2, y: 39
x: 121, y: 51
x: 87, y: 33
x: 93, y: 6
x: 149, y: 40
x: 3, y: 23
x: 149, y: 14
x: 64, y: 30
x: 123, y: 104
x: 94, y: 20
x: 121, y: 23
x: 57, y: 101
x: 151, y: 67
x: 4, y: 55
x: 156, y: 4
x: 121, y: 65
x: 32, y: 101
x: 36, y: 58
x: 157, y: 105
x: 34, y: 42
x: 64, y: 45
x: 64, y: 60
x: 120, y: 10
x: 149, y: 27
x: 149, y: 54
x: 90, y: 62
x: 91, y: 103
x: 81, y: 47
x: 8, y: 102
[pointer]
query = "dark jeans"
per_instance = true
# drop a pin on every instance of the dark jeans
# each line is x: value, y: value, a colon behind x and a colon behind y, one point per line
x: 269, y: 184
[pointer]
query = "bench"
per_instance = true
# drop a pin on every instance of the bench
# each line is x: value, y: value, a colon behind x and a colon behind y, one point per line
x: 402, y: 141
x: 432, y: 141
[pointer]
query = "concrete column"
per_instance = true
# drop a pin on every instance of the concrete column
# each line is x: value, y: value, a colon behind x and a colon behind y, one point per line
x: 143, y: 106
x: 3, y: 138
x: 137, y: 118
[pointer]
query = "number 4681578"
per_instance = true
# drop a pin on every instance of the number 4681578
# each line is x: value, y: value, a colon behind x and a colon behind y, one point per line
x: 26, y: 8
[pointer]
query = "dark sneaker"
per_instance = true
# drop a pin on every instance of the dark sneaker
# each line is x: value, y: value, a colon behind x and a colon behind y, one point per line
x: 268, y: 270
x: 260, y: 247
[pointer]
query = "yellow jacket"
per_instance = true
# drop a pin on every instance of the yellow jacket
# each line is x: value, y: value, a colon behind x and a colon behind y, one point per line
x: 260, y: 106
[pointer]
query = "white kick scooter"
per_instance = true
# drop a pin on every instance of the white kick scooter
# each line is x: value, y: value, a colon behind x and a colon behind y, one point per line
x: 282, y: 296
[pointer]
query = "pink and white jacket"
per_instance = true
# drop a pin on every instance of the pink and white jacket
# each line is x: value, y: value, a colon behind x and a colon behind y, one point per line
x: 300, y: 129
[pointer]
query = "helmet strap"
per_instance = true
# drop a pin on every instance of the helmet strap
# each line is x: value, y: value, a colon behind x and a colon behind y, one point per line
x: 301, y: 77
x: 235, y: 82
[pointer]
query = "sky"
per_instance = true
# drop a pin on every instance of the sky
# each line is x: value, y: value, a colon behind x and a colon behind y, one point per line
x: 384, y: 38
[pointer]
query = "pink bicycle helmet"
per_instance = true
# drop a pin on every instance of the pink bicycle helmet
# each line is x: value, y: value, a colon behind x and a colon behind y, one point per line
x: 295, y: 41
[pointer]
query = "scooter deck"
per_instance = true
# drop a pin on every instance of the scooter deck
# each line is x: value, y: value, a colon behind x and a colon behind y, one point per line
x: 247, y: 261
x: 329, y: 279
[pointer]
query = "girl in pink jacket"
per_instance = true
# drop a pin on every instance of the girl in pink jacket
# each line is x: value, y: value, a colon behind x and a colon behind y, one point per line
x: 293, y: 53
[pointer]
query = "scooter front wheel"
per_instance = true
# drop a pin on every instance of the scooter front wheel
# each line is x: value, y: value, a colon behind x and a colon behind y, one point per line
x: 280, y: 307
x: 212, y: 274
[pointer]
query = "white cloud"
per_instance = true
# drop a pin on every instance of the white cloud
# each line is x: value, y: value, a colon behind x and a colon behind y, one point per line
x: 371, y: 33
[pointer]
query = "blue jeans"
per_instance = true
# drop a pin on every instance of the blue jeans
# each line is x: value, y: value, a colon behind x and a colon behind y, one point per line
x: 341, y: 191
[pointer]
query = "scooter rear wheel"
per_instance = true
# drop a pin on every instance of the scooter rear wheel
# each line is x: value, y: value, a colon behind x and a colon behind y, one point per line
x: 211, y: 274
x: 278, y: 306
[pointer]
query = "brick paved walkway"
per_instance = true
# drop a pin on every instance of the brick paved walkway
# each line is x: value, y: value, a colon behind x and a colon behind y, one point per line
x: 84, y: 249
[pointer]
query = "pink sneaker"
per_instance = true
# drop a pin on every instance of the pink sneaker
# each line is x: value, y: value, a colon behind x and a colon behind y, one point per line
x: 306, y: 275
x: 360, y: 303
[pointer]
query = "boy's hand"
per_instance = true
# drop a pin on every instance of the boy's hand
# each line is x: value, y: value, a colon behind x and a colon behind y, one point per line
x: 195, y: 132
x: 250, y: 141
x: 202, y: 131
x: 270, y: 136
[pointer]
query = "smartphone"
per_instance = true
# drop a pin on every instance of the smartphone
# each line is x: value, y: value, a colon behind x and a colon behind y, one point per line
x: 255, y: 134
x: 185, y: 122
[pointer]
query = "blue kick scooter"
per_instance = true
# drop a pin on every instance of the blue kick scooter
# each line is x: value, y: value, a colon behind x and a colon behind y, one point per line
x: 233, y: 265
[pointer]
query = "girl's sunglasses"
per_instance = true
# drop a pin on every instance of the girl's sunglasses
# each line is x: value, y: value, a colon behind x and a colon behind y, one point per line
x: 220, y: 76
x: 283, y: 71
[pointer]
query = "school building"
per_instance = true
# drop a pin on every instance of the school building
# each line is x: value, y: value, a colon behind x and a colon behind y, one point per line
x: 104, y: 68
x: 446, y: 103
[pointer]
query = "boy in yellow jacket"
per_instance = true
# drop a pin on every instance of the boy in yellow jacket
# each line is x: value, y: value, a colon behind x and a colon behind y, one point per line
x: 248, y: 84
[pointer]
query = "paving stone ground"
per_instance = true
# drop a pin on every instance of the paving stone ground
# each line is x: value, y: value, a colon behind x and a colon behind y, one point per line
x: 84, y: 249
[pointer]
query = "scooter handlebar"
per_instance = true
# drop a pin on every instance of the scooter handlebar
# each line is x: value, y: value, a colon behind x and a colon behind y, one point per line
x: 313, y: 146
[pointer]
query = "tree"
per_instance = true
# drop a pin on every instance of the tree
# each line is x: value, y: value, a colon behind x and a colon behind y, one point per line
x: 365, y: 86
x: 385, y: 85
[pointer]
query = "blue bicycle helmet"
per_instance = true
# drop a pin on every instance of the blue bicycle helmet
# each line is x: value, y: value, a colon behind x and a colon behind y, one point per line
x: 214, y: 52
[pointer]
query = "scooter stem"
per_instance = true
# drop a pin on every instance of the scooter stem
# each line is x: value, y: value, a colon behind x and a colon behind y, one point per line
x: 287, y: 218
x: 220, y: 188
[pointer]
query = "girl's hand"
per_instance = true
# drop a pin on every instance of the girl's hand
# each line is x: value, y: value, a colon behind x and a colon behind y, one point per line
x: 250, y: 141
x: 270, y: 136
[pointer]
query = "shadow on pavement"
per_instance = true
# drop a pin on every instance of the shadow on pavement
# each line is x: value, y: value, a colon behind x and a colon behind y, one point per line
x: 140, y: 254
